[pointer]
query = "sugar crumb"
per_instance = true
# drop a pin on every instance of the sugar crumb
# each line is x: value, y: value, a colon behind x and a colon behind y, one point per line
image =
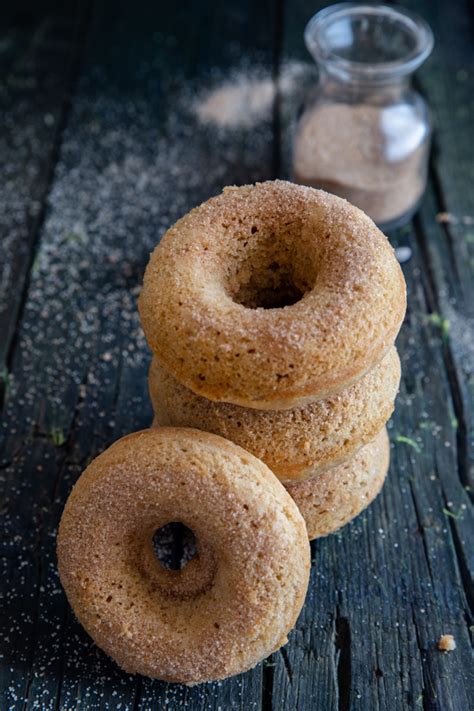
x: 446, y: 643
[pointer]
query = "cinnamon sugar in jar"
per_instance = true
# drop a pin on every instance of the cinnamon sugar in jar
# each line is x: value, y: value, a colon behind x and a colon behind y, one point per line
x: 365, y: 134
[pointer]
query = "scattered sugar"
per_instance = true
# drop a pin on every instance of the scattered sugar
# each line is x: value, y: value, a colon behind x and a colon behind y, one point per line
x: 119, y: 185
x: 248, y: 96
x: 236, y: 104
x: 461, y: 334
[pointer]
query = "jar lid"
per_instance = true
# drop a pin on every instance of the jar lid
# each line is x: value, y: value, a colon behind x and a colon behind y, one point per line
x: 374, y: 42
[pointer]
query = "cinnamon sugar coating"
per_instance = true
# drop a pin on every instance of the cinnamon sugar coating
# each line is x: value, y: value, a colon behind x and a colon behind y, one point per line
x: 330, y: 500
x: 231, y: 605
x: 271, y: 296
x: 294, y: 443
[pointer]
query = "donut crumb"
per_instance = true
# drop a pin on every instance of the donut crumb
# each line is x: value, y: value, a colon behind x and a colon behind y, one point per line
x: 447, y: 643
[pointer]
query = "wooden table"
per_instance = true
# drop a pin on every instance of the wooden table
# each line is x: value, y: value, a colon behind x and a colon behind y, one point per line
x: 100, y: 151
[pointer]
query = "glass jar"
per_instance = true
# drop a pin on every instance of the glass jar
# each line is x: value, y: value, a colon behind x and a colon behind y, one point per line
x: 365, y: 133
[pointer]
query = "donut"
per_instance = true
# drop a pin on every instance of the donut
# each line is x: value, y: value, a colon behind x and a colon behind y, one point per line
x: 232, y: 604
x: 271, y: 296
x: 294, y: 443
x: 330, y: 500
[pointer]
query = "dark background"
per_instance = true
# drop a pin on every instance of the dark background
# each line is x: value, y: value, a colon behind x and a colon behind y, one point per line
x: 100, y: 151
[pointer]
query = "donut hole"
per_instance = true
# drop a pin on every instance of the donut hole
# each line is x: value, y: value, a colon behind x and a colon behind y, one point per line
x: 270, y: 269
x: 272, y: 287
x: 174, y: 545
x: 178, y: 561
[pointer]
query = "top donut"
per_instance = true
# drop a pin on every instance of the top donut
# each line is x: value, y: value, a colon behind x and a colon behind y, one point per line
x: 271, y: 296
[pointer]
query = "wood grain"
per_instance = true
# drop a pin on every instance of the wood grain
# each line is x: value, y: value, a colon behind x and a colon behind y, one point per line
x: 39, y: 58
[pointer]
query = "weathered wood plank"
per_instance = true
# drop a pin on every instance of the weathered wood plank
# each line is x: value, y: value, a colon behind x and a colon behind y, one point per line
x: 448, y: 80
x: 448, y: 241
x: 133, y: 158
x: 39, y: 51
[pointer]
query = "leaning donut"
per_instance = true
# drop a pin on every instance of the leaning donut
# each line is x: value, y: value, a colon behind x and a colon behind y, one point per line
x: 295, y: 443
x: 235, y: 601
x: 272, y: 296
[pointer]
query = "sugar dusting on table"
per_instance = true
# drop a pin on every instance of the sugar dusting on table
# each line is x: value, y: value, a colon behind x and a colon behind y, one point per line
x: 247, y: 96
x: 119, y: 184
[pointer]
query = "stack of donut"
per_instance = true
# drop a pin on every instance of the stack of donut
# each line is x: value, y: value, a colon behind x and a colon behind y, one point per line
x: 271, y: 311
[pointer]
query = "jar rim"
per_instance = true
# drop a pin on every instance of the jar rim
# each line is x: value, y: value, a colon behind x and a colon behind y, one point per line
x: 415, y: 27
